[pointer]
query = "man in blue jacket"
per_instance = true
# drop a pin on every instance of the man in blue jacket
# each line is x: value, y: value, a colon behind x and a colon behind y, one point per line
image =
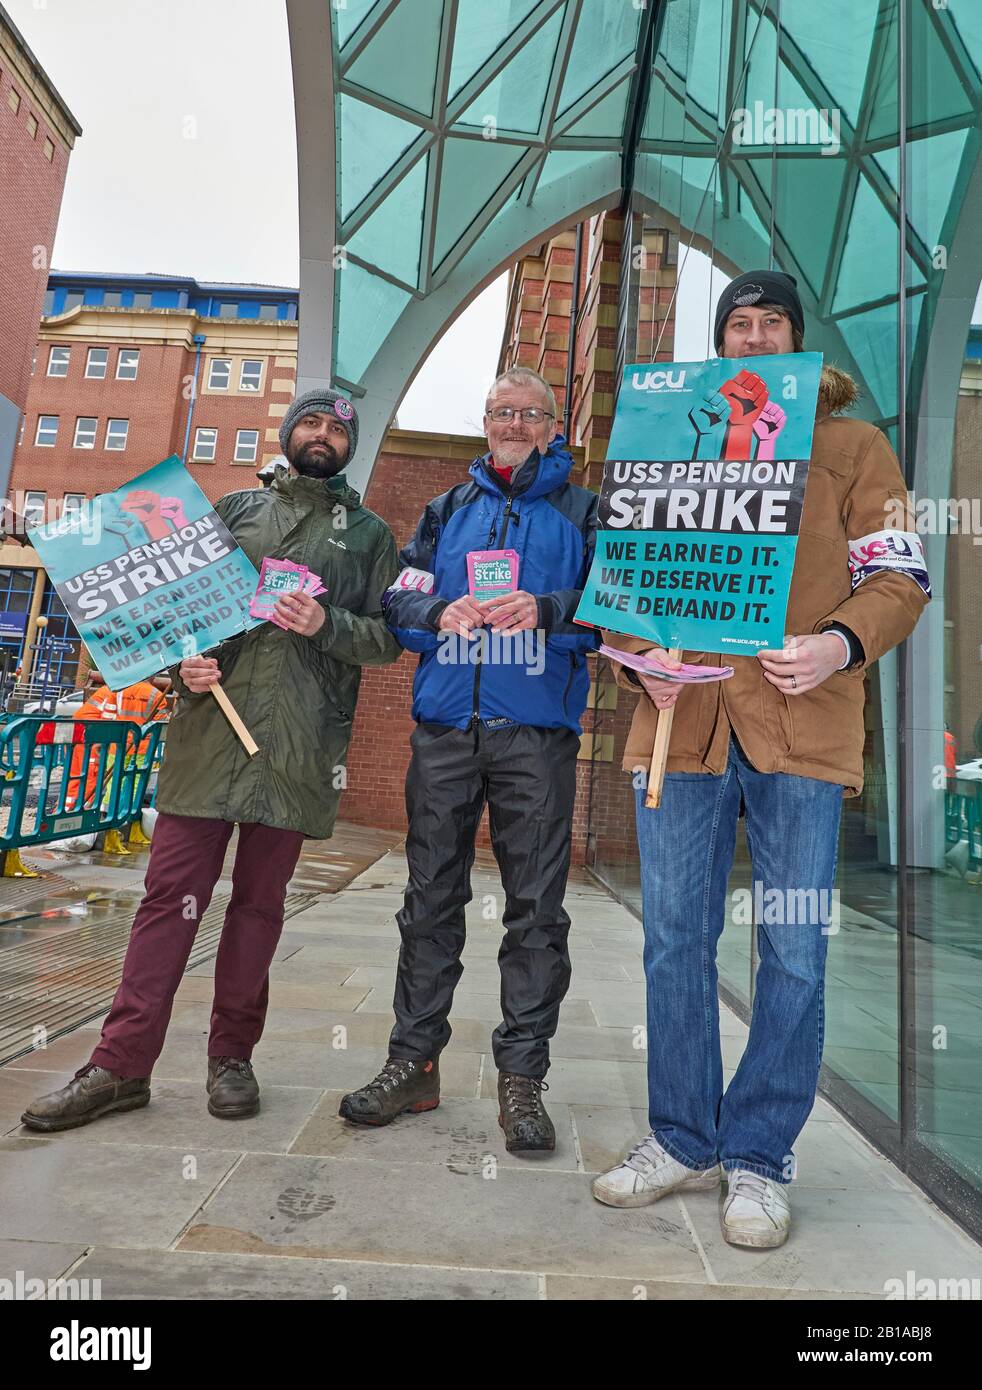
x: 499, y: 691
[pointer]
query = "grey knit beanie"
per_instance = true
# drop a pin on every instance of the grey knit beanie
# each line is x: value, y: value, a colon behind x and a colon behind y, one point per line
x: 332, y: 403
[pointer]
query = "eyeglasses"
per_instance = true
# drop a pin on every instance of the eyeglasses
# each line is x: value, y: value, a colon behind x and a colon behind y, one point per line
x: 532, y: 414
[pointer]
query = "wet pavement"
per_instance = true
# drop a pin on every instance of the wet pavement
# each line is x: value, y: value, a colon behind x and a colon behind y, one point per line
x: 169, y: 1202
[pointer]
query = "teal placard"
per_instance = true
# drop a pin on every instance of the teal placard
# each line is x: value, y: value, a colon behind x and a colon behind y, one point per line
x: 149, y: 574
x: 698, y: 527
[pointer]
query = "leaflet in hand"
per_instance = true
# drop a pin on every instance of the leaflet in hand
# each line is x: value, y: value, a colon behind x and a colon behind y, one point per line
x: 687, y: 674
x: 277, y: 578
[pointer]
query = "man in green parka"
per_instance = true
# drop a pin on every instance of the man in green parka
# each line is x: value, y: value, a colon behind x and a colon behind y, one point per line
x: 295, y: 689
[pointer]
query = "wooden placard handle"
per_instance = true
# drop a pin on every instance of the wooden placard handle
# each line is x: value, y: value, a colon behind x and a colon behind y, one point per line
x: 232, y: 715
x: 659, y: 753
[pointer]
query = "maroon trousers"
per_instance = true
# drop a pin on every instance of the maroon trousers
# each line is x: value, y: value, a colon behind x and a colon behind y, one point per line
x: 186, y: 860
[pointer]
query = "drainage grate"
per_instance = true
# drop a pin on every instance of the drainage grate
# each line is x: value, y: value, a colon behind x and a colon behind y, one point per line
x: 62, y: 981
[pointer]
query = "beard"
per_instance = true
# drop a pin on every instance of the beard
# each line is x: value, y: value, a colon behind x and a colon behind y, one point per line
x: 513, y: 452
x: 316, y: 460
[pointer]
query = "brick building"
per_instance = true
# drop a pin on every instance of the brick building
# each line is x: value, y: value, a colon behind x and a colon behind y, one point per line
x: 37, y: 133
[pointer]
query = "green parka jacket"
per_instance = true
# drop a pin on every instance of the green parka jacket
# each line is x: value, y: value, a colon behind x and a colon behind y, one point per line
x: 296, y: 695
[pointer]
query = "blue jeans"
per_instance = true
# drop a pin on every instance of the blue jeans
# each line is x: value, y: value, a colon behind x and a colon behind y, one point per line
x: 686, y: 850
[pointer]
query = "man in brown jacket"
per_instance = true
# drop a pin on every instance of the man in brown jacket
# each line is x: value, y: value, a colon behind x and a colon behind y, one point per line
x: 784, y: 739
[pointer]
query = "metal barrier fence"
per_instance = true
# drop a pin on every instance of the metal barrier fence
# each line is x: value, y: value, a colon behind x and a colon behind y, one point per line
x: 62, y: 777
x: 963, y: 821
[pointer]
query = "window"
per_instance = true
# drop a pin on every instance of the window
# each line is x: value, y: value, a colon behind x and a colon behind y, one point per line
x: 246, y: 446
x: 49, y: 302
x: 127, y: 364
x: 13, y: 100
x: 142, y: 301
x: 251, y: 374
x: 116, y: 432
x: 219, y: 374
x: 34, y: 507
x: 112, y: 299
x: 268, y: 311
x: 205, y: 444
x: 72, y: 503
x: 49, y: 150
x: 58, y: 359
x: 228, y: 311
x: 85, y: 428
x: 32, y: 124
x: 97, y: 363
x: 73, y: 300
x: 47, y: 431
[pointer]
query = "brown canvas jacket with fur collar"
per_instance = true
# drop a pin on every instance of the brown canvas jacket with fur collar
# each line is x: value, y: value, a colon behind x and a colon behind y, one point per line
x: 855, y: 489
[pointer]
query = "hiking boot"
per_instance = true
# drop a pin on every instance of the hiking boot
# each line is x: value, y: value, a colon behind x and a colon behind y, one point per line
x: 233, y: 1091
x: 92, y: 1092
x: 521, y: 1114
x: 648, y: 1173
x: 401, y: 1085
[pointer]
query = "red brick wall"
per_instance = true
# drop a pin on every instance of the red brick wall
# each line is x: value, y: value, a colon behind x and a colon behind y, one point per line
x: 32, y: 188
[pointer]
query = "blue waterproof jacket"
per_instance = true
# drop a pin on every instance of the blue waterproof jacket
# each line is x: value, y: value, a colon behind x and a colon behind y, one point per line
x: 535, y: 677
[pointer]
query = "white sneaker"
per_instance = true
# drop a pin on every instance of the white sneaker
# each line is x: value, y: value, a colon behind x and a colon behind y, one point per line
x: 755, y: 1211
x: 648, y: 1173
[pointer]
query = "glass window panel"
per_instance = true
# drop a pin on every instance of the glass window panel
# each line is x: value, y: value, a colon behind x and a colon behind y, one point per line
x: 370, y: 142
x: 85, y: 431
x: 246, y: 445
x: 472, y: 171
x: 606, y: 118
x: 869, y: 261
x: 58, y: 360
x: 250, y: 374
x: 932, y: 169
x: 934, y: 91
x: 205, y: 443
x: 605, y: 36
x: 116, y: 434
x: 390, y: 238
x: 367, y: 309
x: 128, y: 364
x: 872, y: 340
x: 47, y: 431
x: 966, y: 19
x: 96, y: 363
x: 817, y: 30
x: 514, y: 99
x: 808, y: 193
x: 382, y: 67
x: 481, y: 29
x: 347, y: 15
x: 219, y: 374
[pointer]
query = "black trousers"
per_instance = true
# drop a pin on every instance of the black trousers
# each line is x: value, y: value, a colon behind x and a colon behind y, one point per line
x: 527, y: 776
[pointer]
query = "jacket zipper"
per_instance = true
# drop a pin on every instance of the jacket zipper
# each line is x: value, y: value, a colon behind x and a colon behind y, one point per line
x: 476, y: 714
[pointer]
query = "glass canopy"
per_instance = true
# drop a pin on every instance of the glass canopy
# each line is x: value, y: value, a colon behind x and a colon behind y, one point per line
x: 764, y: 131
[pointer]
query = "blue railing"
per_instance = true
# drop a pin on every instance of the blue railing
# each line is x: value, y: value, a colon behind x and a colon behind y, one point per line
x: 44, y: 797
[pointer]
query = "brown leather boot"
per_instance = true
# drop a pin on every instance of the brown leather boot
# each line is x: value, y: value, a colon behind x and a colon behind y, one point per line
x: 233, y: 1091
x: 92, y: 1092
x: 521, y: 1114
x: 401, y: 1085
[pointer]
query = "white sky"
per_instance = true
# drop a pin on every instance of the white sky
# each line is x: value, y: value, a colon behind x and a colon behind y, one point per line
x: 187, y: 165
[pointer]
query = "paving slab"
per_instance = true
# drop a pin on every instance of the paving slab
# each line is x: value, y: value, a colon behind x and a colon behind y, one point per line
x: 520, y: 1220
